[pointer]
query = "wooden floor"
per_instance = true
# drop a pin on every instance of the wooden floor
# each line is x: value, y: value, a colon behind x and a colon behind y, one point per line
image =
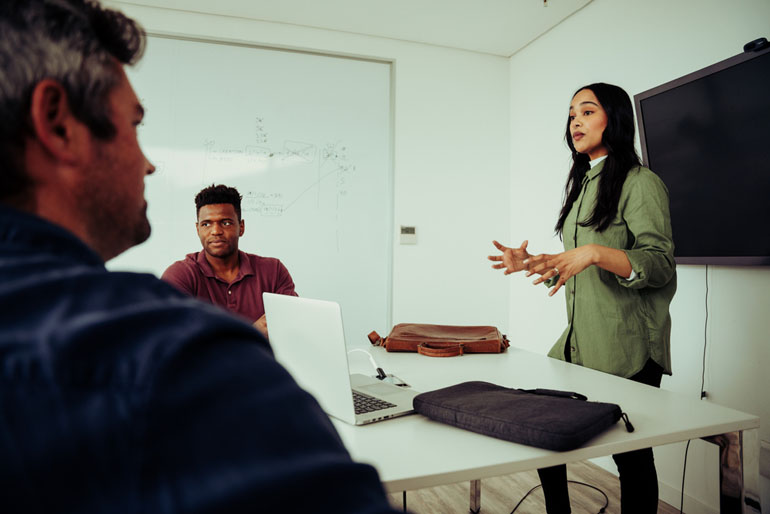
x: 500, y: 495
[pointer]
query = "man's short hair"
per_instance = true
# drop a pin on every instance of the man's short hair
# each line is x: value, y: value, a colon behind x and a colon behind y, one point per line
x: 74, y: 42
x: 218, y: 194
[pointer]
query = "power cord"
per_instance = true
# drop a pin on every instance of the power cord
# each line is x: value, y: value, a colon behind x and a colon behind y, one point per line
x: 703, y: 393
x: 705, y: 339
x: 380, y: 373
x: 601, y: 511
x: 684, y: 471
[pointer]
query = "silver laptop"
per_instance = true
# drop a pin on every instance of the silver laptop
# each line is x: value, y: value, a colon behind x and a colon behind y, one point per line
x: 308, y: 340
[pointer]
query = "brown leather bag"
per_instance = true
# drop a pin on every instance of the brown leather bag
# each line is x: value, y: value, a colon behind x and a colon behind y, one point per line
x: 441, y: 340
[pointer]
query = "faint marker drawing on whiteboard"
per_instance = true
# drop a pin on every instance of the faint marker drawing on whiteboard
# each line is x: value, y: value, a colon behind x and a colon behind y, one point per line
x: 263, y: 204
x: 276, y: 180
x: 304, y: 151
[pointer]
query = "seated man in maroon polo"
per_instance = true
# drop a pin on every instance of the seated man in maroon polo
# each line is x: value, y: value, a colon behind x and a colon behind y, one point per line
x: 222, y: 274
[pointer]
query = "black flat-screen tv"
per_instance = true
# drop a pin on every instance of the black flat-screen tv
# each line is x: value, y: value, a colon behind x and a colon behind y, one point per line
x: 707, y: 135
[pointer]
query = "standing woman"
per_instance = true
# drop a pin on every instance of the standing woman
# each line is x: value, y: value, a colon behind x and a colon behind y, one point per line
x: 617, y: 270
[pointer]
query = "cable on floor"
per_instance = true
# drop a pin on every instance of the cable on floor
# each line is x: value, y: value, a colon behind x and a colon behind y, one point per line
x: 601, y: 511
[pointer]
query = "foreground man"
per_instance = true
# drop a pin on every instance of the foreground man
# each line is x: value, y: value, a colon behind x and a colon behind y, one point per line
x: 120, y: 394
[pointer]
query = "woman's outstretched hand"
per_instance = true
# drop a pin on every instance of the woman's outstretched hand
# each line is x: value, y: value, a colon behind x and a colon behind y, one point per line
x: 511, y: 259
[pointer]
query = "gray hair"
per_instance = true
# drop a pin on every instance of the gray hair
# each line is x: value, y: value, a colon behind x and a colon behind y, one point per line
x: 74, y: 42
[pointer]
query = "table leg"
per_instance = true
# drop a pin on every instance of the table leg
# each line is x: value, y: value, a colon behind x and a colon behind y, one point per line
x: 475, y: 496
x: 732, y: 466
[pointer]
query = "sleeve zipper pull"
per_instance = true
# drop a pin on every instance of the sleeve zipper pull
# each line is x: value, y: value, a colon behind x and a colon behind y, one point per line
x: 629, y: 426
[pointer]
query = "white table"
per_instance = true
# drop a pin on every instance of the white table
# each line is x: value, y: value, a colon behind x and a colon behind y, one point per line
x: 413, y: 452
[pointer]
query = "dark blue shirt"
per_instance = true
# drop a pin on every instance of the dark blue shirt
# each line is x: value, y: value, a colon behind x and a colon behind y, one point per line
x: 119, y: 394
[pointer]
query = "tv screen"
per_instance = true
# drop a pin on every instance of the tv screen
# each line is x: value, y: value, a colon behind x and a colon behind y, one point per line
x: 707, y: 135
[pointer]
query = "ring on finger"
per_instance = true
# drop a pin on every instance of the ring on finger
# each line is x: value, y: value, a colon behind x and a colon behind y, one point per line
x: 556, y: 270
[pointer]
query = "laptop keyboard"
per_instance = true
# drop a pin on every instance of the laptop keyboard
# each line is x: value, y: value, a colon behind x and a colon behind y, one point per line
x: 364, y: 403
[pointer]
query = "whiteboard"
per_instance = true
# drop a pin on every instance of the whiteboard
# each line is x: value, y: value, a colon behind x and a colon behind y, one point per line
x: 306, y: 139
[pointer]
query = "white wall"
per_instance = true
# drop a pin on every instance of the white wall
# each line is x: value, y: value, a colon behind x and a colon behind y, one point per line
x: 639, y: 45
x: 451, y: 159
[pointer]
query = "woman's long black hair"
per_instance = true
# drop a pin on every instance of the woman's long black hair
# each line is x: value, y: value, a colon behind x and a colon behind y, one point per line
x: 618, y: 139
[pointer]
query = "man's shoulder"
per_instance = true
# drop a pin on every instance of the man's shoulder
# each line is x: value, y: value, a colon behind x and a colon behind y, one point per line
x: 190, y: 261
x: 111, y: 292
x: 152, y: 311
x: 87, y: 303
x: 260, y: 261
x: 184, y: 267
x: 267, y: 273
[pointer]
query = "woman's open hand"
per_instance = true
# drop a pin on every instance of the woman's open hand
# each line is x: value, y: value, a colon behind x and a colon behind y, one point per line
x: 511, y: 259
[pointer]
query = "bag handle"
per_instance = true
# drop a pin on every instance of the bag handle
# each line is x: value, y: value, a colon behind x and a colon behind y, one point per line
x: 433, y: 350
x: 553, y: 392
x: 375, y: 338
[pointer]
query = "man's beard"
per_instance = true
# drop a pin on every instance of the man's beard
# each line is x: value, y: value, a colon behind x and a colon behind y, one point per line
x: 112, y: 226
x: 117, y: 237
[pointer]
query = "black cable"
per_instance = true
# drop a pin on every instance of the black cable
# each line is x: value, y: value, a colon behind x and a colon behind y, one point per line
x: 525, y: 497
x: 606, y: 499
x: 705, y: 339
x: 702, y: 383
x: 684, y: 470
x: 603, y: 509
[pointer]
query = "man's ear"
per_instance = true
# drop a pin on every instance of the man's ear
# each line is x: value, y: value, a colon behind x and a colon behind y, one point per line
x: 53, y: 123
x: 243, y: 227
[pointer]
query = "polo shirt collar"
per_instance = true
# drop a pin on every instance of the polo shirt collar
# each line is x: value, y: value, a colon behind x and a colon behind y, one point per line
x: 244, y: 265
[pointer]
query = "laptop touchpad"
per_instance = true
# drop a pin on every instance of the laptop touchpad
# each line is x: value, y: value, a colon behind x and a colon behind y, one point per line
x: 379, y: 389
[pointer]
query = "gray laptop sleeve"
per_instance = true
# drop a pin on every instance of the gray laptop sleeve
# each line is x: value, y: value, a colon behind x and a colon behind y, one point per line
x: 554, y: 420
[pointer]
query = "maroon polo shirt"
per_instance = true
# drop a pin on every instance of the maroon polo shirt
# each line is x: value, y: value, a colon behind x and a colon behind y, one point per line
x: 195, y: 277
